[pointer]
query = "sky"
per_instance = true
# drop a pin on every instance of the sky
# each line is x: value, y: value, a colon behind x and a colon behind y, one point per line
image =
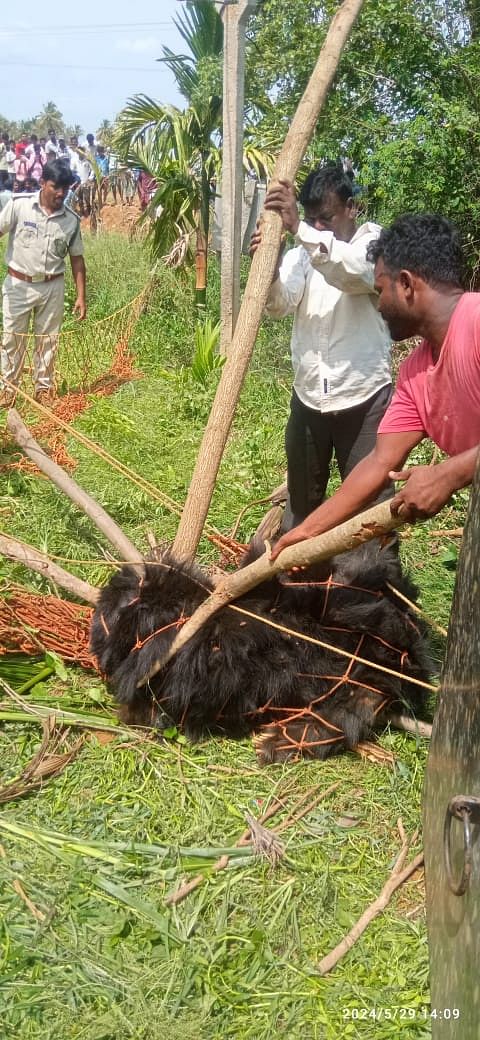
x: 88, y: 58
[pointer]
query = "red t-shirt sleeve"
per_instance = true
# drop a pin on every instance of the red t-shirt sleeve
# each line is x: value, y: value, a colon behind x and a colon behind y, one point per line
x: 402, y: 415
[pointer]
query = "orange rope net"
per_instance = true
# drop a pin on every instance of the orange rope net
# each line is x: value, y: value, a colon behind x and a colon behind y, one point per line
x: 30, y: 624
x: 94, y: 361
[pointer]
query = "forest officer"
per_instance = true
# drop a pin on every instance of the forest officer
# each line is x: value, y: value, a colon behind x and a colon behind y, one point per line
x: 42, y: 230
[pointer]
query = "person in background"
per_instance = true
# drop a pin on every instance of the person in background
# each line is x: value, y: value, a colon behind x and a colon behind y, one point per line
x: 3, y: 151
x: 63, y: 151
x: 419, y: 279
x: 340, y: 343
x: 5, y: 189
x: 82, y: 169
x: 51, y: 144
x: 42, y: 231
x: 90, y: 146
x: 35, y: 164
x: 31, y: 145
x: 10, y: 158
x: 103, y: 164
x: 146, y: 187
x: 20, y: 167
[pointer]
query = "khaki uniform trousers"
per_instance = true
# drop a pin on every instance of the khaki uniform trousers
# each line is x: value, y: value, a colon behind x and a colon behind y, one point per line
x: 22, y: 300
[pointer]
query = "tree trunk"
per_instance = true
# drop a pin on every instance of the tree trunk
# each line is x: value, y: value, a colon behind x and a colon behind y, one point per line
x: 261, y: 273
x: 453, y: 769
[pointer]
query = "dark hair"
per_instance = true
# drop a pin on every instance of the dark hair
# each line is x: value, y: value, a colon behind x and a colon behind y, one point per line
x: 424, y: 243
x: 58, y: 172
x: 322, y: 181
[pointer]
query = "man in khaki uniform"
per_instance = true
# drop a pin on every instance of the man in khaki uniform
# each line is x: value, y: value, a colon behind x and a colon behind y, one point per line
x: 42, y: 230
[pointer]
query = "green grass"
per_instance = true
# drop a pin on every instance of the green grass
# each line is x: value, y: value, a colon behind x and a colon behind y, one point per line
x: 237, y: 958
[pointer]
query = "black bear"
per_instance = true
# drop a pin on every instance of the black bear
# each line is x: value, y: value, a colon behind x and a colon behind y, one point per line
x: 239, y: 675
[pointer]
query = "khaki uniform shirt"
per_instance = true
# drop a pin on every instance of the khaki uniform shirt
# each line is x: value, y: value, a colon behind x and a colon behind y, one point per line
x: 38, y: 242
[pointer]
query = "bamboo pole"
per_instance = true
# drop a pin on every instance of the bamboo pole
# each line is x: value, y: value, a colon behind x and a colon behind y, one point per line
x: 76, y: 494
x: 37, y: 561
x: 260, y: 278
x: 372, y: 523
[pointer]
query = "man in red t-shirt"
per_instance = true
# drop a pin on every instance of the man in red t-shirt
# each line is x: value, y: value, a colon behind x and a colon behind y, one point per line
x: 419, y: 274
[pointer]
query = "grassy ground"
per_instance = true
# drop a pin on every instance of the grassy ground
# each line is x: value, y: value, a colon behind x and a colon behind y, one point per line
x: 90, y: 950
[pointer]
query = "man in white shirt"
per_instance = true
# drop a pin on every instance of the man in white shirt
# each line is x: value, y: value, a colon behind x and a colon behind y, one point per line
x: 340, y: 343
x: 52, y: 143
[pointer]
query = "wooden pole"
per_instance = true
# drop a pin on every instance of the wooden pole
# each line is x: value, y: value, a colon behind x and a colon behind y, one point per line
x: 253, y: 303
x: 453, y: 769
x: 76, y: 494
x: 234, y: 18
x: 37, y: 561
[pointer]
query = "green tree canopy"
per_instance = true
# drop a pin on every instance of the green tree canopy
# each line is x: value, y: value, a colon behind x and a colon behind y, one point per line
x: 404, y: 105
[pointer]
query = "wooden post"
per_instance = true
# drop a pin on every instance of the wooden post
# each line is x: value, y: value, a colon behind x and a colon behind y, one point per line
x: 255, y: 296
x: 234, y: 17
x: 453, y: 769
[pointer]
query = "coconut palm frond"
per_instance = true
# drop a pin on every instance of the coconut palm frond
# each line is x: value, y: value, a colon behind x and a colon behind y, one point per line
x: 201, y: 26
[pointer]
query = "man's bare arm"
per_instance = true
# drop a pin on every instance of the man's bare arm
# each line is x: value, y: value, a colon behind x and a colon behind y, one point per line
x: 428, y: 488
x: 80, y: 279
x: 360, y: 488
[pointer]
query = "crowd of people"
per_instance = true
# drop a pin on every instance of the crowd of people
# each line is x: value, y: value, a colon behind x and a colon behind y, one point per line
x: 94, y: 168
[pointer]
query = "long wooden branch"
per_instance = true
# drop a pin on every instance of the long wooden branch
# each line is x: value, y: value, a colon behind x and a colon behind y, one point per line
x: 76, y: 494
x: 370, y: 524
x: 396, y: 879
x: 259, y: 281
x: 414, y: 726
x: 37, y: 561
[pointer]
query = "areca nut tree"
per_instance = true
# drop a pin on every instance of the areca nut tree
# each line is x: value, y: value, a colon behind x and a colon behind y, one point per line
x: 181, y: 148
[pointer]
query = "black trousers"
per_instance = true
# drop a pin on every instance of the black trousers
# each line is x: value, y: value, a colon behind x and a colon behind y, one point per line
x: 311, y: 440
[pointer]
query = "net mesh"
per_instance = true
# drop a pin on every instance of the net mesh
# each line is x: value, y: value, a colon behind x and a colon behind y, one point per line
x: 94, y: 360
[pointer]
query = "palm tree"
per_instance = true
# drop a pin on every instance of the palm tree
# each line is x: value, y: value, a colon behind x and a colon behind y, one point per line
x: 105, y: 132
x: 50, y: 118
x: 181, y: 148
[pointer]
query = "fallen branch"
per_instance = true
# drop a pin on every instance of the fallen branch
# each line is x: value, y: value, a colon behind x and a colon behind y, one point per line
x: 415, y: 726
x: 455, y: 532
x: 399, y: 875
x: 373, y: 523
x: 37, y: 561
x: 76, y: 494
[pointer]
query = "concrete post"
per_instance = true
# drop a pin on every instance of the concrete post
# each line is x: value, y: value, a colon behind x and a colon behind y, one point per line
x: 234, y: 17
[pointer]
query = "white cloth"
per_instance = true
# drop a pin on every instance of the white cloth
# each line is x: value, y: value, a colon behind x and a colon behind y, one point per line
x: 81, y: 167
x: 340, y: 343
